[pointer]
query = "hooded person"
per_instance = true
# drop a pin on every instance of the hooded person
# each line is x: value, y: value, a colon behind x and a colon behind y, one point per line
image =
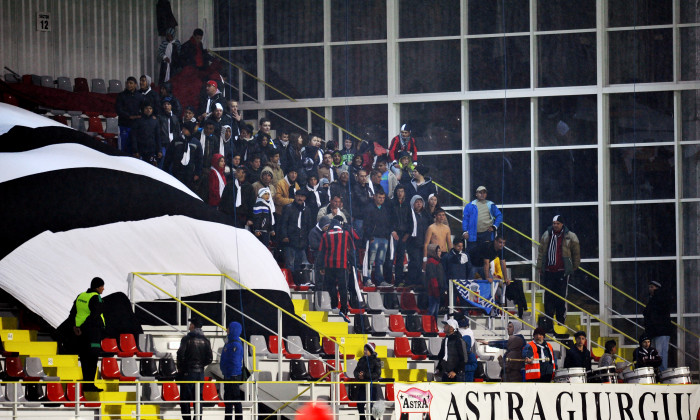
x: 217, y: 179
x: 465, y: 330
x: 263, y: 216
x: 646, y: 355
x: 513, y: 364
x: 231, y: 364
x: 88, y: 313
x: 368, y: 369
x: 148, y: 94
x: 168, y: 53
x: 183, y: 158
x: 422, y: 184
x: 453, y: 354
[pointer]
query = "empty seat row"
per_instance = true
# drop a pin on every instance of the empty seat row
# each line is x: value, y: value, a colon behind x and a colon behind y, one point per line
x: 64, y: 83
x: 51, y: 394
x: 131, y: 369
x: 413, y: 326
x: 294, y: 348
x: 127, y: 347
x: 31, y: 370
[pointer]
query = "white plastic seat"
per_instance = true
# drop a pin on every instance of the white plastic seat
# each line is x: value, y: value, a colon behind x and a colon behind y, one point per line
x: 434, y: 344
x: 295, y: 346
x: 350, y: 368
x: 115, y: 86
x: 77, y: 122
x: 34, y: 368
x: 380, y: 325
x: 64, y: 83
x: 10, y: 394
x: 260, y: 346
x: 322, y: 301
x: 98, y: 86
x: 375, y: 304
x: 112, y: 125
x: 12, y: 78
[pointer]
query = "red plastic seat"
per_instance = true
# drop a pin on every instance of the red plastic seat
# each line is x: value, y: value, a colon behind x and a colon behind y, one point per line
x: 70, y: 397
x: 10, y: 99
x: 344, y: 399
x: 389, y: 392
x: 170, y: 392
x: 109, y: 369
x: 110, y: 139
x: 290, y: 281
x: 402, y: 348
x: 408, y: 303
x: 127, y: 343
x: 109, y: 345
x: 273, y: 344
x: 330, y: 367
x: 27, y: 79
x: 430, y: 328
x: 316, y: 369
x: 95, y: 125
x: 210, y: 394
x: 397, y: 324
x: 329, y: 349
x: 55, y: 393
x: 81, y: 85
x: 14, y: 369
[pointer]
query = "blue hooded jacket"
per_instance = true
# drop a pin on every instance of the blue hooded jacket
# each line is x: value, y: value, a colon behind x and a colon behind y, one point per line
x: 232, y: 355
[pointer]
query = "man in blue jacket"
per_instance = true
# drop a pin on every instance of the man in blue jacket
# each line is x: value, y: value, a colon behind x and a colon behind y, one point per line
x: 480, y: 219
x: 232, y: 369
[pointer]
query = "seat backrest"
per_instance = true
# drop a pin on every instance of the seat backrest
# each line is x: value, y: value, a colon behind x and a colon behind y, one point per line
x: 408, y: 301
x: 167, y: 367
x: 401, y: 346
x: 391, y: 301
x: 130, y: 367
x: 112, y: 126
x: 260, y: 345
x: 143, y: 342
x: 36, y: 79
x: 109, y: 369
x: 323, y: 301
x: 374, y: 301
x: 55, y: 392
x: 98, y: 86
x: 127, y: 342
x: 209, y: 392
x: 350, y: 368
x: 414, y: 323
x: 170, y: 393
x: 47, y: 81
x: 379, y: 323
x: 115, y: 86
x: 10, y: 99
x: 316, y: 368
x: 77, y: 122
x: 95, y: 126
x: 109, y: 345
x: 312, y: 345
x: 274, y: 344
x: 148, y: 367
x: 297, y: 370
x: 14, y: 368
x: 65, y: 84
x: 418, y: 346
x: 12, y: 78
x: 81, y: 85
x: 328, y: 346
x: 294, y: 345
x: 396, y: 323
x: 434, y: 344
x: 361, y: 324
x: 33, y: 367
x: 429, y: 324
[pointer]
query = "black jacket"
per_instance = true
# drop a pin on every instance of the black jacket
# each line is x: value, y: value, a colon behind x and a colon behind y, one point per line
x: 145, y: 137
x: 336, y: 188
x: 217, y: 98
x: 657, y: 315
x: 361, y: 199
x: 423, y: 220
x: 377, y: 222
x: 228, y: 202
x: 289, y: 225
x: 128, y: 104
x: 173, y: 159
x: 401, y: 216
x: 194, y: 353
x: 174, y: 128
x: 575, y: 358
x: 371, y: 366
x: 456, y: 354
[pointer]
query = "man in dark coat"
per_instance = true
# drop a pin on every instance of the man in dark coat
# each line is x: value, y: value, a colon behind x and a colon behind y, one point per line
x: 193, y: 356
x: 128, y: 109
x: 297, y: 221
x: 657, y: 320
x: 453, y: 354
x: 238, y: 199
x: 420, y: 220
x: 87, y: 311
x: 193, y: 52
x: 368, y: 369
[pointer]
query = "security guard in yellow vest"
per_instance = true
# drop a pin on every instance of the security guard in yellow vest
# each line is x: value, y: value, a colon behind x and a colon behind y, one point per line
x: 89, y: 326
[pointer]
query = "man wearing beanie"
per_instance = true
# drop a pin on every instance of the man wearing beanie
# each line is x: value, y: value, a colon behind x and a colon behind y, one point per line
x: 368, y: 369
x: 89, y: 325
x: 657, y: 320
x: 559, y: 256
x: 539, y: 358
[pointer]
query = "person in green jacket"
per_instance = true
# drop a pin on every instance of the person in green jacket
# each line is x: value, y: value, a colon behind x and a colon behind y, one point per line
x: 87, y: 312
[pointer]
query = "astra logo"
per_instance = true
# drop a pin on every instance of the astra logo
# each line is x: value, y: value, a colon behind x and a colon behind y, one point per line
x: 415, y: 400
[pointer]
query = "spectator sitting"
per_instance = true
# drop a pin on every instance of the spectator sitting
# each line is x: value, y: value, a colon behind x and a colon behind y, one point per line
x: 217, y: 179
x: 645, y: 355
x: 193, y: 52
x: 168, y: 54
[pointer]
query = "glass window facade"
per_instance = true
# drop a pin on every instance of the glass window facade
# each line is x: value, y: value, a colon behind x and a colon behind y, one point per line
x: 553, y: 113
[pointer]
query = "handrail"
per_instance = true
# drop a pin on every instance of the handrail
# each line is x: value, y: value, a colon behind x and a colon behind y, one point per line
x: 296, y: 397
x: 458, y: 284
x: 242, y: 286
x: 610, y: 285
x: 199, y: 313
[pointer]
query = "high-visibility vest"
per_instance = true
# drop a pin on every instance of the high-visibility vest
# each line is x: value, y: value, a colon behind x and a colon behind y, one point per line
x: 532, y: 370
x: 82, y: 306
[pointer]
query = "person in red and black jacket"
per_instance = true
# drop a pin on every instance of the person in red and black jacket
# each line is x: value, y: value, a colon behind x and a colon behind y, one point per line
x: 403, y: 142
x: 335, y: 245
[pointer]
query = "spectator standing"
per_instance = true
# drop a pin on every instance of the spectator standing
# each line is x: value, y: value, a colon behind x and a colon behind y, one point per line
x: 128, y: 109
x: 169, y: 125
x: 148, y: 95
x: 422, y: 184
x: 388, y: 180
x: 89, y: 325
x: 334, y: 209
x: 558, y: 257
x: 211, y: 145
x: 400, y: 210
x: 453, y: 354
x: 514, y: 350
x: 377, y: 229
x: 361, y: 199
x: 657, y: 320
x: 540, y: 364
x: 334, y: 248
x: 193, y: 52
x: 368, y: 369
x: 263, y: 216
x: 232, y: 368
x: 285, y: 190
x: 193, y: 356
x: 315, y: 198
x: 403, y: 142
x: 183, y: 158
x: 578, y: 355
x: 166, y: 91
x: 281, y: 143
x: 341, y: 186
x: 213, y: 96
x: 255, y: 169
x: 217, y: 179
x: 265, y: 181
x: 456, y: 262
x: 312, y: 155
x: 435, y: 279
x: 220, y: 118
x: 238, y: 199
x: 403, y: 168
x: 465, y: 330
x: 168, y: 54
x: 294, y: 227
x: 145, y: 138
x: 296, y: 143
x: 646, y: 355
x: 348, y: 151
x: 481, y: 258
x: 438, y: 234
x: 480, y: 219
x: 315, y: 236
x: 420, y: 222
x: 273, y: 162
